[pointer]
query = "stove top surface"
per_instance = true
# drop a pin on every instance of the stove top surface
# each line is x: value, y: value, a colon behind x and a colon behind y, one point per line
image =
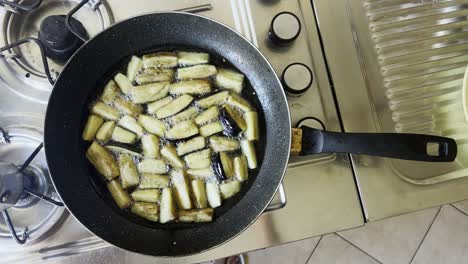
x: 320, y: 190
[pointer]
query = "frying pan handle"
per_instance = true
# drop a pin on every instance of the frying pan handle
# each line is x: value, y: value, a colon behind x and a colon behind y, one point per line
x: 391, y: 145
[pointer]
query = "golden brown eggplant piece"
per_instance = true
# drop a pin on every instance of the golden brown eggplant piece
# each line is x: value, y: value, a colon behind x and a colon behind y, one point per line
x: 146, y: 210
x: 103, y: 161
x: 121, y: 197
x: 148, y: 195
x: 196, y: 215
x: 168, y: 211
x: 92, y: 125
x: 128, y: 171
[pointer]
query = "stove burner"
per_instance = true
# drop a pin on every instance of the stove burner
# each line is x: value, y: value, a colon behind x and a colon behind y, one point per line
x: 59, y: 43
x: 33, y: 180
x: 33, y: 213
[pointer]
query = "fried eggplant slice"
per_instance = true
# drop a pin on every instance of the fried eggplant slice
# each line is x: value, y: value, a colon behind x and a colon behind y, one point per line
x: 238, y: 102
x: 218, y: 168
x: 149, y: 92
x: 134, y: 66
x: 248, y: 149
x: 190, y: 145
x: 175, y: 106
x: 211, y: 129
x: 155, y: 106
x: 199, y: 160
x: 167, y: 206
x: 204, y: 173
x: 252, y: 131
x: 123, y: 136
x: 229, y: 189
x: 146, y: 210
x: 148, y: 195
x: 192, y: 58
x: 151, y: 75
x: 240, y: 168
x: 199, y: 194
x: 219, y: 144
x: 152, y: 125
x: 227, y: 164
x: 160, y: 60
x: 128, y: 171
x: 92, y: 125
x: 214, y: 99
x: 196, y: 72
x: 123, y: 82
x: 153, y: 181
x: 170, y: 154
x: 150, y: 145
x: 105, y: 111
x: 105, y: 131
x: 119, y: 150
x: 230, y: 125
x: 236, y: 116
x: 208, y: 115
x: 121, y: 197
x: 181, y: 189
x: 188, y: 114
x: 182, y: 130
x: 152, y: 166
x: 127, y: 107
x: 103, y: 161
x: 190, y: 87
x: 196, y: 215
x: 131, y: 124
x: 213, y: 194
x: 111, y: 91
x: 229, y: 79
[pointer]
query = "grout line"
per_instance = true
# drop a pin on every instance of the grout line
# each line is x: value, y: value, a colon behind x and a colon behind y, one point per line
x: 313, y: 250
x: 425, y: 235
x: 358, y: 248
x: 458, y: 209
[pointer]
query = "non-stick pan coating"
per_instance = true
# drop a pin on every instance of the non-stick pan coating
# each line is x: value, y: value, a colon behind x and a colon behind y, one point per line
x: 84, y: 192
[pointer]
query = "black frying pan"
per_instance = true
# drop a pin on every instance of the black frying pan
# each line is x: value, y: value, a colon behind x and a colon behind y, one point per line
x: 83, y: 191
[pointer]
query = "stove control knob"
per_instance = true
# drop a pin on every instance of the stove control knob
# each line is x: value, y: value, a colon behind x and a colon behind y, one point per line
x: 284, y: 29
x: 312, y: 122
x: 297, y: 79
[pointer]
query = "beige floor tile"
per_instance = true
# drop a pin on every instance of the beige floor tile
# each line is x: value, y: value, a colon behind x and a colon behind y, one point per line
x: 447, y: 240
x: 292, y: 253
x: 463, y: 206
x: 334, y: 249
x: 392, y: 240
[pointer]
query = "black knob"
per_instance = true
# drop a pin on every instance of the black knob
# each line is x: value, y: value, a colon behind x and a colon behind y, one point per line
x: 312, y: 122
x: 297, y: 79
x: 59, y: 43
x: 284, y: 29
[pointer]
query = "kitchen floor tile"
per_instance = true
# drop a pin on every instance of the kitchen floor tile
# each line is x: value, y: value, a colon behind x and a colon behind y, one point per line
x: 463, y: 206
x: 392, y: 240
x: 334, y: 249
x: 446, y: 242
x: 291, y: 253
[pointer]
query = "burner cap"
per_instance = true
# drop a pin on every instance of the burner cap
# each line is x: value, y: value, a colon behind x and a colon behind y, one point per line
x: 59, y: 43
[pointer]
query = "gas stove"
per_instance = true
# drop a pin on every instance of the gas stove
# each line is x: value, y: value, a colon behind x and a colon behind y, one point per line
x: 319, y: 193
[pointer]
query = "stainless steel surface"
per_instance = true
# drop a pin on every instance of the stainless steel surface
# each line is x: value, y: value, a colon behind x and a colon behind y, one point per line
x: 395, y: 66
x: 22, y: 70
x: 320, y: 190
x: 25, y: 133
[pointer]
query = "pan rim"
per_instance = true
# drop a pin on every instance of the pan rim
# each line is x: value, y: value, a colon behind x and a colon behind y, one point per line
x: 277, y: 80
